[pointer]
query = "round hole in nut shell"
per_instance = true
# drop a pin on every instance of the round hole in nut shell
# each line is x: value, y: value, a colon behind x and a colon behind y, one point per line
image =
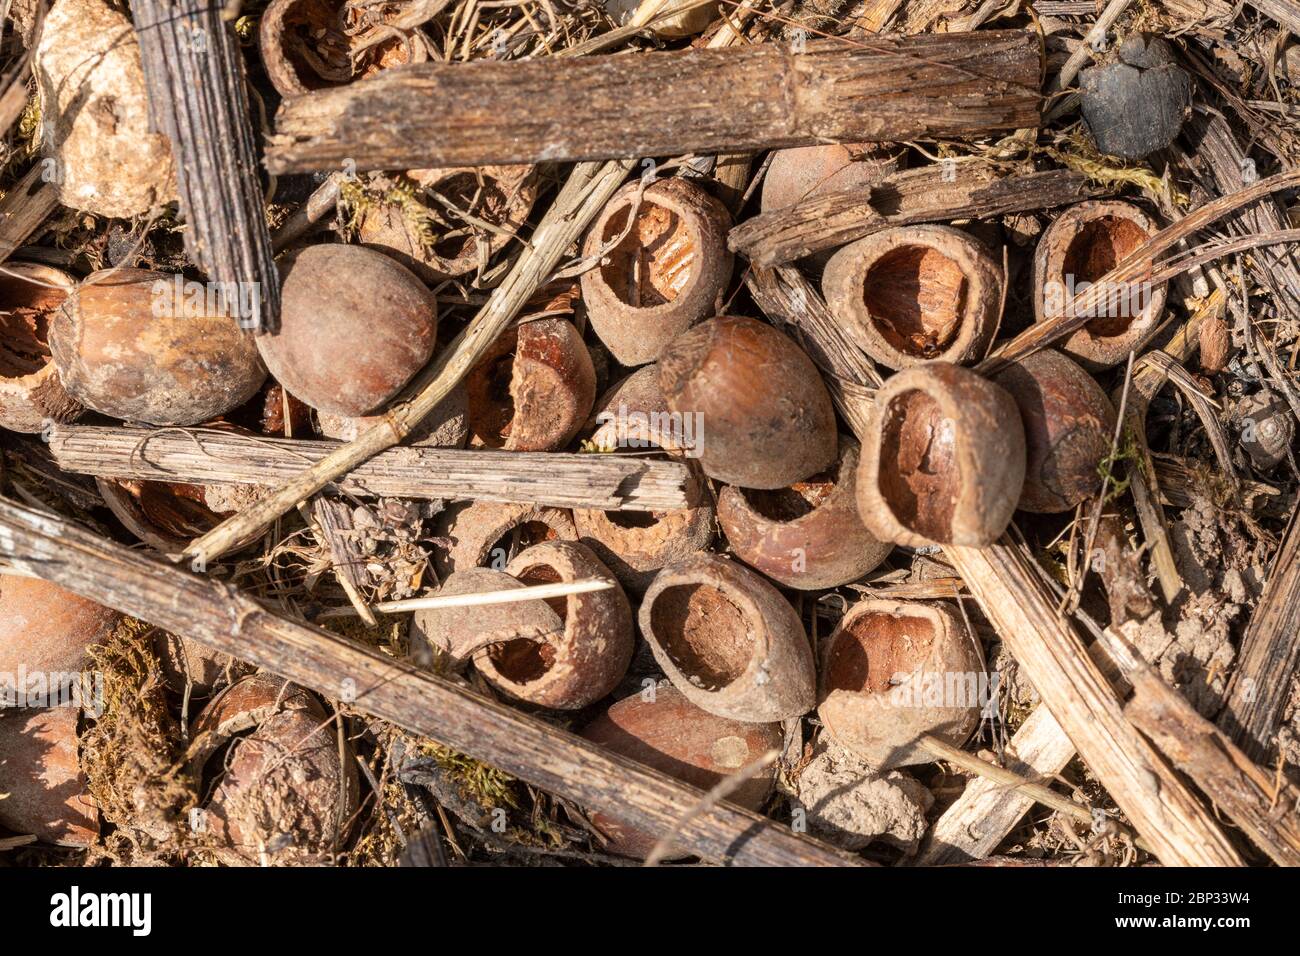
x: 524, y: 661
x: 872, y: 648
x: 792, y: 503
x: 519, y: 537
x: 633, y: 519
x: 915, y: 296
x: 655, y: 260
x: 23, y: 329
x: 918, y: 472
x: 704, y: 633
x: 491, y: 406
x: 483, y: 199
x: 1098, y: 247
x: 311, y: 31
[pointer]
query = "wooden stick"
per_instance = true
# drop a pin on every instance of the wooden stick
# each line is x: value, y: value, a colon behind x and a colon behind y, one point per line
x: 194, y: 72
x: 666, y: 104
x: 208, y: 456
x: 535, y: 592
x: 229, y: 621
x: 24, y: 207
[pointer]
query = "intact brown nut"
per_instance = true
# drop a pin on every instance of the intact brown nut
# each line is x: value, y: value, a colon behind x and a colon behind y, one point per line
x: 1069, y: 428
x: 762, y: 415
x: 943, y: 459
x: 663, y: 730
x: 894, y: 671
x: 593, y: 650
x: 807, y: 536
x: 44, y: 633
x: 446, y: 427
x: 917, y: 293
x: 492, y: 532
x: 45, y: 791
x: 805, y: 171
x: 534, y: 388
x: 135, y: 345
x: 728, y: 640
x: 635, y: 414
x: 287, y: 788
x: 438, y: 243
x: 1078, y: 248
x: 444, y: 639
x: 314, y: 44
x: 31, y: 393
x: 664, y: 275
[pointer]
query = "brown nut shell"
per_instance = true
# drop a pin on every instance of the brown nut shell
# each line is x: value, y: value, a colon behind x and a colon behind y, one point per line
x: 917, y: 293
x: 943, y: 459
x: 484, y: 532
x: 805, y: 171
x: 593, y: 651
x: 46, y: 630
x: 355, y: 326
x: 45, y: 790
x: 633, y: 413
x: 668, y: 733
x: 127, y: 345
x: 765, y: 417
x: 31, y: 392
x: 167, y: 516
x: 306, y: 45
x: 893, y: 671
x: 447, y: 426
x: 1080, y: 246
x: 665, y: 275
x: 808, y: 536
x: 287, y: 788
x: 729, y: 641
x: 1069, y: 428
x: 534, y: 388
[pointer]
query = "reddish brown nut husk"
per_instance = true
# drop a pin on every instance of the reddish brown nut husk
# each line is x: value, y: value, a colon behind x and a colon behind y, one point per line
x: 287, y: 788
x: 763, y: 416
x: 664, y: 275
x: 314, y: 44
x: 634, y: 414
x: 446, y: 427
x: 44, y: 789
x: 31, y: 393
x: 665, y: 731
x: 894, y: 671
x: 943, y: 460
x: 728, y: 640
x: 355, y: 326
x: 592, y: 652
x: 533, y: 390
x: 137, y: 345
x: 1083, y: 244
x: 808, y: 536
x: 167, y: 516
x: 492, y: 532
x: 1069, y: 429
x: 45, y: 630
x: 806, y: 171
x: 917, y: 293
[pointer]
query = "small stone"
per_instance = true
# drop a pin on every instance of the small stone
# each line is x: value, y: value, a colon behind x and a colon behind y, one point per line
x: 1136, y: 104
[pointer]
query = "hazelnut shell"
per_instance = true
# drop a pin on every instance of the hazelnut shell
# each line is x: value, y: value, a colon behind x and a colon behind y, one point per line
x: 475, y: 529
x: 45, y: 629
x: 45, y: 790
x: 805, y: 171
x: 31, y: 392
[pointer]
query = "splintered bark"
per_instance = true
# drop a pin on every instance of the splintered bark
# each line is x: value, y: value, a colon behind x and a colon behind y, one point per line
x: 23, y: 209
x: 194, y: 72
x: 554, y: 760
x: 929, y: 194
x: 208, y: 456
x: 666, y: 104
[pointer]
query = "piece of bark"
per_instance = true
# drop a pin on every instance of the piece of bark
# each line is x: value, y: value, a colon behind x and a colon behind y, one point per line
x: 209, y: 456
x: 23, y: 208
x: 197, y: 97
x: 666, y: 104
x: 231, y: 622
x: 933, y: 193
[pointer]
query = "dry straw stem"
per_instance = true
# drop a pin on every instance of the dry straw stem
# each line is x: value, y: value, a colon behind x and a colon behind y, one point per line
x: 23, y: 208
x: 530, y: 593
x: 208, y: 456
x: 231, y: 622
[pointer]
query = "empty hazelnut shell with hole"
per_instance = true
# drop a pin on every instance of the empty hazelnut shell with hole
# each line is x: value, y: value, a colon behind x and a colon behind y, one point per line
x: 287, y: 788
x: 807, y: 536
x: 305, y: 46
x: 917, y: 293
x: 127, y: 346
x: 893, y: 671
x: 31, y: 392
x: 805, y: 171
x: 665, y: 275
x: 484, y: 532
x: 444, y: 639
x: 1069, y: 428
x: 355, y: 326
x: 766, y: 419
x: 728, y: 640
x: 447, y: 426
x: 45, y: 629
x: 44, y: 789
x: 1080, y: 246
x: 167, y: 516
x: 943, y: 459
x: 670, y: 734
x: 534, y: 388
x: 590, y: 655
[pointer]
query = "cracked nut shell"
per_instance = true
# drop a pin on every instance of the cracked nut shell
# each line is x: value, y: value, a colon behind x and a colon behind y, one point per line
x: 31, y: 392
x: 485, y: 532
